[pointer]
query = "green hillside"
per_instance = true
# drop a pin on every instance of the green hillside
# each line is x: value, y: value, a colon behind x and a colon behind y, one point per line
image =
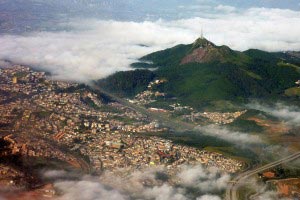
x: 202, y: 73
x: 127, y: 83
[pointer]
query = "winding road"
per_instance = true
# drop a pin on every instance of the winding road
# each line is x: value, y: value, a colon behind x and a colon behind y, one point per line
x: 232, y: 189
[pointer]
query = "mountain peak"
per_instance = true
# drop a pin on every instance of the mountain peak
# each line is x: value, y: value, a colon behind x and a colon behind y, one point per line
x: 202, y: 43
x: 202, y: 51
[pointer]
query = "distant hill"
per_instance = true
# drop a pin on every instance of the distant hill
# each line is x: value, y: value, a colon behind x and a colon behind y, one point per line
x: 204, y: 72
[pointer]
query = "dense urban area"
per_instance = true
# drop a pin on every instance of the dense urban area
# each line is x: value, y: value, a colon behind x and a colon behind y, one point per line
x: 74, y: 124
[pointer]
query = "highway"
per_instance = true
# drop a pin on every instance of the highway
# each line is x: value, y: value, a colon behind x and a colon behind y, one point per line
x: 232, y: 189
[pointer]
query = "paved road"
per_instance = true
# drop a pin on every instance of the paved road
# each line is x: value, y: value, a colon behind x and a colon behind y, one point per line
x: 231, y: 192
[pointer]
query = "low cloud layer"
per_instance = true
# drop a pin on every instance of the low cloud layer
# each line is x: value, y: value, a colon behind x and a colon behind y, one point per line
x: 153, y: 183
x: 206, y: 180
x: 209, y: 197
x: 234, y: 137
x: 289, y: 114
x: 269, y: 195
x: 93, y: 49
x: 88, y: 190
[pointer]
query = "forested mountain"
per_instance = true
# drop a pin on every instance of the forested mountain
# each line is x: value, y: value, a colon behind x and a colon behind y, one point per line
x: 203, y: 72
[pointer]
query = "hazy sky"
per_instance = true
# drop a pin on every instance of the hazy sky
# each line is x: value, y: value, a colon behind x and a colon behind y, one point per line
x: 138, y: 9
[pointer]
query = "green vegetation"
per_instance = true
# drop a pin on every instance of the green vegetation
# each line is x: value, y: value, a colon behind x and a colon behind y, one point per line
x: 72, y: 89
x: 21, y: 74
x: 126, y: 120
x: 292, y: 92
x: 219, y: 79
x: 253, y: 75
x: 88, y: 101
x: 243, y: 125
x: 168, y: 57
x: 111, y: 109
x: 289, y: 172
x: 81, y: 88
x: 142, y: 65
x: 246, y: 191
x: 223, y: 106
x: 42, y: 114
x: 283, y: 64
x: 63, y: 123
x: 209, y: 143
x: 127, y: 83
x: 223, y: 76
x: 233, y: 152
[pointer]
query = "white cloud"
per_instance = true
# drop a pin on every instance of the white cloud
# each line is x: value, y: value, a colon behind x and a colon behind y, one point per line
x: 225, y: 8
x: 87, y: 190
x: 164, y: 192
x: 262, y: 190
x: 55, y: 174
x: 209, y: 197
x: 95, y: 48
x: 208, y: 182
x: 202, y: 8
x: 235, y: 137
x: 289, y: 114
x: 268, y: 195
